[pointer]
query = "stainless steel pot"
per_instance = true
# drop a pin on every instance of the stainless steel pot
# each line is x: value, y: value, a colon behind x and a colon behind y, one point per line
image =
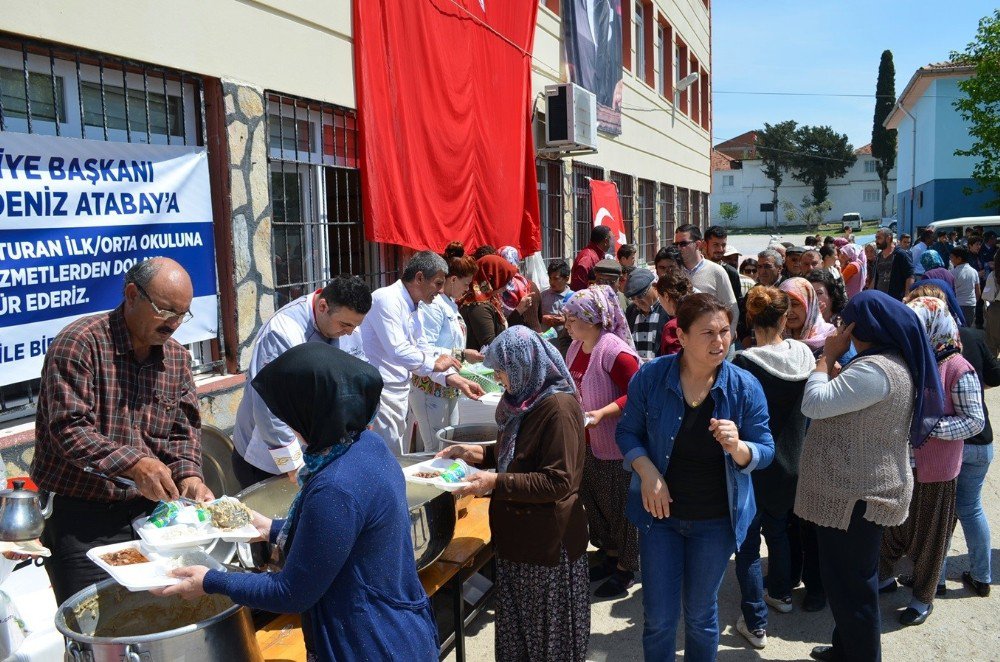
x: 108, y: 623
x: 432, y: 519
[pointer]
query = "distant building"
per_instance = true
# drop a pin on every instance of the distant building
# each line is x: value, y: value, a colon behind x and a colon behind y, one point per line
x: 741, y: 181
x: 932, y: 177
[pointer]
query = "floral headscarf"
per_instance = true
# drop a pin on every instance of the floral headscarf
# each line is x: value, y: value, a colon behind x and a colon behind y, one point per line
x: 598, y: 305
x: 510, y: 254
x: 815, y: 330
x: 931, y: 259
x: 942, y: 331
x: 856, y: 256
x: 535, y: 370
x: 518, y: 287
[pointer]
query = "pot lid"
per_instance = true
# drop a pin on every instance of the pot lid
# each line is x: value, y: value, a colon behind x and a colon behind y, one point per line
x: 18, y: 492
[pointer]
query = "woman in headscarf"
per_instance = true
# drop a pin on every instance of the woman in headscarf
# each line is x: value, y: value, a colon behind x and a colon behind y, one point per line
x: 349, y: 557
x: 782, y: 367
x: 434, y: 406
x: 537, y: 520
x: 481, y: 307
x: 522, y: 302
x: 853, y: 268
x: 804, y: 322
x: 934, y: 267
x: 925, y: 534
x: 602, y: 360
x: 935, y: 287
x: 853, y: 484
x: 694, y: 428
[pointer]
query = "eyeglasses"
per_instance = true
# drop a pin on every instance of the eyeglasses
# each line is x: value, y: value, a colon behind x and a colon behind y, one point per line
x: 749, y: 272
x: 686, y: 242
x: 165, y: 315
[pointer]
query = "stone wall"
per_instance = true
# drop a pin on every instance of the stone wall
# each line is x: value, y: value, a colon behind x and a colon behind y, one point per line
x: 249, y: 176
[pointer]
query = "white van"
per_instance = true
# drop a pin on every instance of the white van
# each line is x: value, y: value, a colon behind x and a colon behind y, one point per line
x: 851, y: 219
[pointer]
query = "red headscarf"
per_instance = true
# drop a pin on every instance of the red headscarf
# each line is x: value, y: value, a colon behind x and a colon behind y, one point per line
x: 493, y: 273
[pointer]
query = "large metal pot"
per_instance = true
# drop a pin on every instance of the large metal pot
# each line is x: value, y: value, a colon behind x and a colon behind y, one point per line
x: 108, y: 623
x: 432, y: 520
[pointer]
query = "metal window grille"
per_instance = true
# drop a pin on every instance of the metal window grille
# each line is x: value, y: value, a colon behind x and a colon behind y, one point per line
x: 704, y: 209
x: 626, y: 200
x: 696, y: 208
x: 583, y: 215
x: 55, y: 90
x: 550, y: 205
x: 646, y: 217
x: 317, y: 221
x: 682, y: 206
x: 667, y: 224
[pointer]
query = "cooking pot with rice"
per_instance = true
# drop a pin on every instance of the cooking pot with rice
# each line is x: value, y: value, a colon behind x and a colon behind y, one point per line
x: 106, y: 622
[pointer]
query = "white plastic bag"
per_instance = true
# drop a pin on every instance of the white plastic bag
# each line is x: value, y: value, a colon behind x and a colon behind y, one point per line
x: 12, y: 630
x: 534, y: 270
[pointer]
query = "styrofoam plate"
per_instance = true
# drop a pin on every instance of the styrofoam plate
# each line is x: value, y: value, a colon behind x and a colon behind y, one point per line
x: 437, y: 464
x: 166, y: 539
x: 144, y: 576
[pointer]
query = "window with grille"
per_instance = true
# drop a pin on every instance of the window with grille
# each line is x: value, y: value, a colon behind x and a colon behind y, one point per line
x: 646, y: 218
x: 683, y: 205
x: 550, y: 205
x: 317, y: 222
x: 667, y: 224
x: 696, y: 208
x: 53, y: 90
x: 626, y: 200
x: 583, y: 215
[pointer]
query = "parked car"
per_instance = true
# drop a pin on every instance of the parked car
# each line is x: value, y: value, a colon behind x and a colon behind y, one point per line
x: 889, y: 222
x: 851, y: 219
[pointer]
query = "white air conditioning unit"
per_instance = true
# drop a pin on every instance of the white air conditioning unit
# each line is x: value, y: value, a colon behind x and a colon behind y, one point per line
x: 570, y: 117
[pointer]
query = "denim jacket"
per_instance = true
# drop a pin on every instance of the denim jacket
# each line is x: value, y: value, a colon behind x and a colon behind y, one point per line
x: 653, y: 415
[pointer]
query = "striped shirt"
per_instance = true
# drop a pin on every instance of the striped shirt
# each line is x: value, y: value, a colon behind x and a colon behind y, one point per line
x: 99, y: 406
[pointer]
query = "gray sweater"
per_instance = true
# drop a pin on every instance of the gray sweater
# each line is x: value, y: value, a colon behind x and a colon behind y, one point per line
x: 860, y: 455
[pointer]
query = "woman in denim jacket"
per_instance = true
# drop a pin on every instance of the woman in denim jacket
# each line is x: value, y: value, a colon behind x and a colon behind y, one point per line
x: 693, y: 429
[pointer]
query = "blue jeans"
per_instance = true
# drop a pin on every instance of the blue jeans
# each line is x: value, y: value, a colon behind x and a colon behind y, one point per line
x: 689, y: 556
x: 969, y: 506
x: 748, y: 572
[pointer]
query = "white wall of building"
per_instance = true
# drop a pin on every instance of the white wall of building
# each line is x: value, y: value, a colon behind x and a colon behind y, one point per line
x: 858, y: 191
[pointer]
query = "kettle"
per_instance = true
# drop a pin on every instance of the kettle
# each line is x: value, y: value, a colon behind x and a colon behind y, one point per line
x: 21, y: 514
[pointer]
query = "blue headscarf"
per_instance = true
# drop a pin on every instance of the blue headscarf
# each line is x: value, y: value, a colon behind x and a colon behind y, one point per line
x: 891, y: 326
x: 535, y: 370
x: 931, y: 259
x: 949, y: 293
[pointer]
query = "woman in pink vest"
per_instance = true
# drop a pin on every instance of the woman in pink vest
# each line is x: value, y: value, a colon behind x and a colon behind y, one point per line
x: 602, y: 360
x: 925, y: 534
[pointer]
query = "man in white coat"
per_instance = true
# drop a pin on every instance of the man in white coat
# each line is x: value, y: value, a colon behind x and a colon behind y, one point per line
x: 263, y: 446
x: 393, y: 342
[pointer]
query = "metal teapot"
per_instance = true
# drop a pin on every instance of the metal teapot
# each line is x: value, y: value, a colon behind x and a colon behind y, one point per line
x: 21, y: 514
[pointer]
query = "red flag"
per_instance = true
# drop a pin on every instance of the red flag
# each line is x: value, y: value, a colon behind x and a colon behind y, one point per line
x: 607, y: 211
x: 444, y: 106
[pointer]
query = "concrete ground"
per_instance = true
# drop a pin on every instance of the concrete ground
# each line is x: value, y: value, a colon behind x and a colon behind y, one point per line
x: 962, y: 627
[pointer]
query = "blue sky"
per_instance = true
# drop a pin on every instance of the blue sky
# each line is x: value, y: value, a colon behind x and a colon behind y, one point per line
x: 826, y: 47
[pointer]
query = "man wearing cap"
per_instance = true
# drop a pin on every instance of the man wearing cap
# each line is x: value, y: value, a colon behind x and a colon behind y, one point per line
x: 609, y: 272
x: 714, y: 249
x: 651, y: 317
x: 793, y: 255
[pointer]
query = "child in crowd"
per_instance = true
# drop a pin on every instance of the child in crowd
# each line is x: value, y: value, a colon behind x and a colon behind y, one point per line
x: 553, y: 299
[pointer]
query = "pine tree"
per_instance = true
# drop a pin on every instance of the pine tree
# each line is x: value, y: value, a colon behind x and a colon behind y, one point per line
x: 883, y: 139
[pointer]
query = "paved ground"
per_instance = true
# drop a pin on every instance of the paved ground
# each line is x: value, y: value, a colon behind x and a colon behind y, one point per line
x: 751, y: 244
x: 962, y: 627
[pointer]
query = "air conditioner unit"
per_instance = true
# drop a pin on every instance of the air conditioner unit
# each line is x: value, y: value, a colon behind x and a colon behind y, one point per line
x: 570, y: 117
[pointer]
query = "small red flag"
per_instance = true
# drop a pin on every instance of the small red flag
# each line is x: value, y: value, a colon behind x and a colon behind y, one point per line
x: 607, y: 211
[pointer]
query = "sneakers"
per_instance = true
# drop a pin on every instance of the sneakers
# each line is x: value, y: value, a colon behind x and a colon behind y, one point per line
x: 617, y: 585
x: 757, y: 638
x: 982, y: 589
x: 781, y: 605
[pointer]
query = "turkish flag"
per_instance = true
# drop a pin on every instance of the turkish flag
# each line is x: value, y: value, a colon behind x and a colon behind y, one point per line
x: 607, y: 211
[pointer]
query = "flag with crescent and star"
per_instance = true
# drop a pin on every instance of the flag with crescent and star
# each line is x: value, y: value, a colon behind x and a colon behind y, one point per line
x: 607, y: 210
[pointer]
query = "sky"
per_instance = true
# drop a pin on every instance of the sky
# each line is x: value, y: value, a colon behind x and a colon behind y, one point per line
x: 824, y: 47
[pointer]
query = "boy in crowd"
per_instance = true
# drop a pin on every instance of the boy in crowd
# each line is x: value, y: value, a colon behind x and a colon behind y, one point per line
x: 553, y: 298
x: 626, y: 255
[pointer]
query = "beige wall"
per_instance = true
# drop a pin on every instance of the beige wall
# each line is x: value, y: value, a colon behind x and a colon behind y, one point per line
x: 649, y: 146
x: 300, y: 47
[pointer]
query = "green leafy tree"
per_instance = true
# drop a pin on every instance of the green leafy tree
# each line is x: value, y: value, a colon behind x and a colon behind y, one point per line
x: 729, y: 211
x: 980, y: 105
x: 810, y: 214
x: 822, y: 155
x: 883, y: 139
x: 776, y: 148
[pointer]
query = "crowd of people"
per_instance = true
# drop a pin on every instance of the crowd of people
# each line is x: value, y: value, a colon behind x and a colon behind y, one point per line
x: 827, y: 398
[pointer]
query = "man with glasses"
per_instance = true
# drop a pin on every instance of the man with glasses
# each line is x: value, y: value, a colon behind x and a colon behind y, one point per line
x: 117, y: 398
x: 706, y: 276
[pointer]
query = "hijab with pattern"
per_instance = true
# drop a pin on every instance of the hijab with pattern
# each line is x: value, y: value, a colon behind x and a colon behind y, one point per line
x: 815, y: 329
x: 892, y: 327
x: 949, y: 294
x: 535, y: 370
x: 518, y: 287
x: 326, y: 395
x: 931, y: 259
x: 942, y: 331
x: 856, y: 256
x: 598, y: 305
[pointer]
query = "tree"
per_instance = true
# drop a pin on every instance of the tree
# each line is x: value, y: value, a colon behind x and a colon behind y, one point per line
x: 822, y: 154
x: 729, y: 211
x: 811, y: 215
x: 776, y: 149
x: 980, y: 105
x: 883, y: 139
